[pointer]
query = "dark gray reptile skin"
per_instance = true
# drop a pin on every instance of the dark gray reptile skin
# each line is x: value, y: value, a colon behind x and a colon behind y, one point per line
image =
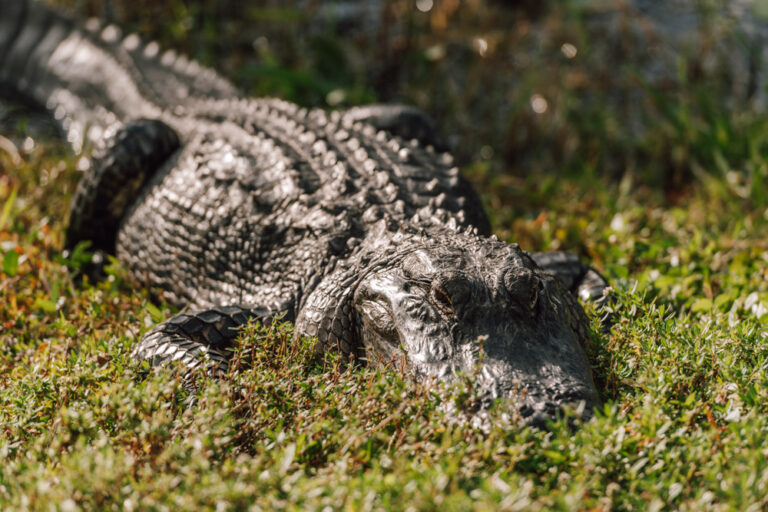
x: 239, y: 208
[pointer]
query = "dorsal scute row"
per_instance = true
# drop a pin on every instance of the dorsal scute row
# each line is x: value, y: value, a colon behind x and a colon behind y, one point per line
x: 166, y: 77
x: 377, y: 171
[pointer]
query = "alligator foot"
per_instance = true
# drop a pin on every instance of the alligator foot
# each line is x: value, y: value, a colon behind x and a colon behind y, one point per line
x: 118, y: 171
x: 401, y: 120
x: 581, y: 279
x: 197, y: 337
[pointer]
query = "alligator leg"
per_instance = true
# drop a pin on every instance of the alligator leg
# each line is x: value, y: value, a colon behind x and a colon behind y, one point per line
x: 581, y: 279
x: 197, y: 337
x: 118, y: 171
x: 401, y: 120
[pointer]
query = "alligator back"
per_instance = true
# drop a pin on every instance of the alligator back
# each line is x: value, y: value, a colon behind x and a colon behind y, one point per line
x: 260, y: 204
x: 91, y: 76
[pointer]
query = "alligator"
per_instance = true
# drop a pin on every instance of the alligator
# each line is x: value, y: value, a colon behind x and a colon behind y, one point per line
x: 355, y: 225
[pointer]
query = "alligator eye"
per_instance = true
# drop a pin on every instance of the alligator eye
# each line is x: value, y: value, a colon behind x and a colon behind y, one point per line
x: 442, y: 299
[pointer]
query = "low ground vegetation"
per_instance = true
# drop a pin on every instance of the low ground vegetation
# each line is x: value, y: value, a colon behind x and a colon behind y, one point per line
x: 683, y: 373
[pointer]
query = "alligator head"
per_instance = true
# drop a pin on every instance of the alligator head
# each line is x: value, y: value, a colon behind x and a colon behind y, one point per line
x: 452, y: 304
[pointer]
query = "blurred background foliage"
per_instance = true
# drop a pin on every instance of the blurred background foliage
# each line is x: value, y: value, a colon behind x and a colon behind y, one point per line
x: 650, y: 90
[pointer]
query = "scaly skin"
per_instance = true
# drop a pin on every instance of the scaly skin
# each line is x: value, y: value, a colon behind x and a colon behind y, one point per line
x: 241, y: 208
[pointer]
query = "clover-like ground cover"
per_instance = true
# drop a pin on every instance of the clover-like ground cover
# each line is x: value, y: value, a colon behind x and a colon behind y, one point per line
x: 683, y: 373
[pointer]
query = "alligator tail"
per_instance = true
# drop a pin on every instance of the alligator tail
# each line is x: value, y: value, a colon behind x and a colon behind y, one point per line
x: 91, y: 77
x: 41, y: 53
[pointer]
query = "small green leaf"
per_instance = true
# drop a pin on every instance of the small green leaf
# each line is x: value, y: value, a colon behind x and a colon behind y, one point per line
x: 701, y: 306
x: 46, y: 305
x: 724, y: 299
x: 79, y: 256
x: 6, y: 214
x: 10, y: 262
x: 554, y: 456
x: 155, y: 312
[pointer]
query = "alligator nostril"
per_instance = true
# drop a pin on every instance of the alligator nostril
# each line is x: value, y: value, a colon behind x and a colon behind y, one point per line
x: 542, y: 415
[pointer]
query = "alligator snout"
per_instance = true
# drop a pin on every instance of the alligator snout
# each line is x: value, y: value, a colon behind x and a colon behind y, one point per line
x: 535, y: 396
x: 536, y: 375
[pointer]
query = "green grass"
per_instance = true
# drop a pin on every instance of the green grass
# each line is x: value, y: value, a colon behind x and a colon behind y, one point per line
x: 683, y: 374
